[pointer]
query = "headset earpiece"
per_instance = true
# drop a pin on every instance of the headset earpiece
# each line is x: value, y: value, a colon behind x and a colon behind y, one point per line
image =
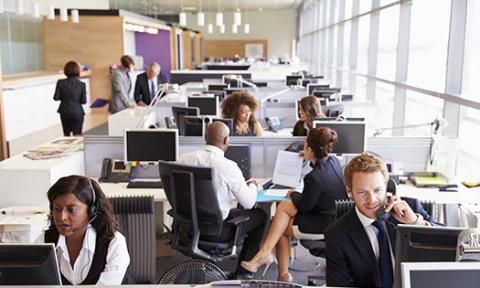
x: 92, y: 210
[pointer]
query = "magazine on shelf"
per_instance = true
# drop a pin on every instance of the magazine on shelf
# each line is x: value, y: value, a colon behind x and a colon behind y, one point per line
x: 57, y: 148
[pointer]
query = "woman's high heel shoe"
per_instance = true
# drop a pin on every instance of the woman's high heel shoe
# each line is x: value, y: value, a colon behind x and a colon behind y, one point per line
x: 287, y: 277
x: 253, y: 266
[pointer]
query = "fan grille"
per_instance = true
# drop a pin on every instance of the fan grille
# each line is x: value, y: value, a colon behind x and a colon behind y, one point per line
x: 193, y: 272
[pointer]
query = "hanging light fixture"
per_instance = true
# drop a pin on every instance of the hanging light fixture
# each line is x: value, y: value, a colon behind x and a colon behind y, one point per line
x: 237, y: 16
x: 19, y: 7
x: 182, y: 17
x: 2, y: 6
x: 75, y: 16
x: 219, y: 16
x: 246, y: 27
x: 210, y: 28
x: 200, y: 15
x: 35, y: 9
x: 51, y: 12
x: 63, y: 14
x: 222, y: 29
x: 234, y: 28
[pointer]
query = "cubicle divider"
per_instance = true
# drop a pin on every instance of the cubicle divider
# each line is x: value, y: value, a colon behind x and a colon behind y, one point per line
x: 414, y: 152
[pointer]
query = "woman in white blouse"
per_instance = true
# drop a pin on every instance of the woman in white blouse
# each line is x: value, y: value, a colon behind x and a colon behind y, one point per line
x: 90, y: 250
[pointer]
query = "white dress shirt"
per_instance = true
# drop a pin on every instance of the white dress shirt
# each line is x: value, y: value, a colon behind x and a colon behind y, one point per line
x: 227, y: 178
x: 117, y: 263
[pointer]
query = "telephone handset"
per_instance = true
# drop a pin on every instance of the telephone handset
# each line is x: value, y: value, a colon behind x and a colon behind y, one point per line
x: 391, y: 192
x: 114, y: 171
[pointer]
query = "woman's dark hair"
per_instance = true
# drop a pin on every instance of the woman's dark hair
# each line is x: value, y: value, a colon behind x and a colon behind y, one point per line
x: 71, y: 69
x: 312, y: 107
x: 105, y: 224
x: 231, y: 104
x: 321, y: 141
x: 126, y: 61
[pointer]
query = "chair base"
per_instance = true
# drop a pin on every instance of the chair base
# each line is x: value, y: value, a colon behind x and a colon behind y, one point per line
x: 316, y: 280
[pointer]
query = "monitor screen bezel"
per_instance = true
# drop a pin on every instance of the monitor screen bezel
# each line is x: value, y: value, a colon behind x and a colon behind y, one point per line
x: 217, y: 104
x: 408, y: 267
x: 309, y: 85
x: 156, y: 130
x: 202, y: 119
x: 329, y: 123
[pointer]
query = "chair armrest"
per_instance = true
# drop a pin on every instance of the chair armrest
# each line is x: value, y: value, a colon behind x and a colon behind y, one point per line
x: 238, y: 220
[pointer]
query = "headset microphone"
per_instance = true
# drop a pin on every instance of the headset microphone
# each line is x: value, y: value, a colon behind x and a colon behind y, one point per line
x: 84, y: 224
x: 92, y: 210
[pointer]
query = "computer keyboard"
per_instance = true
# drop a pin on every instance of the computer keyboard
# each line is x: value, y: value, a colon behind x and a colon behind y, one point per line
x: 145, y: 184
x: 270, y: 185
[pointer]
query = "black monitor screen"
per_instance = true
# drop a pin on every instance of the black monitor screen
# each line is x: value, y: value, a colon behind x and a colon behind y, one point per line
x: 292, y: 80
x: 233, y: 90
x: 151, y: 145
x: 240, y: 154
x: 28, y: 264
x: 207, y: 105
x: 179, y: 112
x: 217, y: 87
x: 226, y: 121
x: 424, y: 244
x: 194, y: 125
x: 351, y: 138
x: 312, y: 87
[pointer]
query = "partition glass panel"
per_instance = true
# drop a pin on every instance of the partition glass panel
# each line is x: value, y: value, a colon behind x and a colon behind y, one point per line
x: 468, y: 145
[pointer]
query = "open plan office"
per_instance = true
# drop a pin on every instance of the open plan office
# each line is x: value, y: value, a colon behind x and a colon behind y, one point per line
x: 276, y: 143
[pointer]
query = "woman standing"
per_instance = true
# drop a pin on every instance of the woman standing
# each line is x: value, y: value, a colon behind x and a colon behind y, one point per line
x: 241, y: 107
x: 71, y: 93
x: 90, y: 250
x: 309, y: 108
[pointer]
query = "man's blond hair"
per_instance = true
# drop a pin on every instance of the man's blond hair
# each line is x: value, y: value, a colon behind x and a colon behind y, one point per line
x: 367, y: 163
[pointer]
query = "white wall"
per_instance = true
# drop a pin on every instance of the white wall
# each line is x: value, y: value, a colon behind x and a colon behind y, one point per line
x: 278, y: 27
x: 78, y: 4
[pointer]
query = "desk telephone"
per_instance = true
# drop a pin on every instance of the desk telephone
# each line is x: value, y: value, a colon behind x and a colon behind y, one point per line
x: 114, y: 171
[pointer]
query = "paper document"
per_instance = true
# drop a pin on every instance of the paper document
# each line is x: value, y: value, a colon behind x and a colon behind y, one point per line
x: 288, y: 169
x: 276, y: 192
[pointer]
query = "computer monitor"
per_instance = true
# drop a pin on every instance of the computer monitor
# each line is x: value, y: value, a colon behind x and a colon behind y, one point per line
x: 219, y: 94
x: 226, y: 121
x: 440, y: 274
x: 194, y: 125
x: 179, y: 112
x: 29, y: 264
x: 230, y: 91
x: 207, y: 105
x: 311, y: 87
x: 241, y: 154
x: 333, y: 110
x: 416, y: 243
x: 351, y: 135
x: 217, y: 87
x: 150, y: 145
x: 292, y: 80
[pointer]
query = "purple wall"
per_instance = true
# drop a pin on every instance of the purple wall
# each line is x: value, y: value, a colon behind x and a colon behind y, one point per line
x: 155, y: 48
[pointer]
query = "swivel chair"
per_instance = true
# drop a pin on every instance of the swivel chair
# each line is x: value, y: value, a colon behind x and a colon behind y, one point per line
x: 197, y: 219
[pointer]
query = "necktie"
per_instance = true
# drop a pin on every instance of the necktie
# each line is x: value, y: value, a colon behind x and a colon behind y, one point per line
x: 385, y: 259
x: 152, y: 90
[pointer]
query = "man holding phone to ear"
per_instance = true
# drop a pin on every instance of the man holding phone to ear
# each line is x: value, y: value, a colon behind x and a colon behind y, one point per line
x: 360, y: 245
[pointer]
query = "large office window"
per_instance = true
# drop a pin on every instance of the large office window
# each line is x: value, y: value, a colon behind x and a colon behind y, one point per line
x: 387, y: 43
x: 363, y: 37
x: 421, y: 109
x: 429, y: 43
x: 468, y: 143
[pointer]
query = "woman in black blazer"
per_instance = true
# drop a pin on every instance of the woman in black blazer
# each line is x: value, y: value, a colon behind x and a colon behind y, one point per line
x: 71, y: 93
x: 312, y: 210
x: 309, y: 108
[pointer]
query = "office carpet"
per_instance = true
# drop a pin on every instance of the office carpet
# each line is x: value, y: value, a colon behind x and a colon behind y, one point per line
x: 302, y: 266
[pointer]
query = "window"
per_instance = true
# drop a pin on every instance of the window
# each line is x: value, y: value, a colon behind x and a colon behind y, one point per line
x: 387, y: 43
x: 363, y: 42
x: 428, y: 43
x: 421, y: 109
x: 471, y: 85
x: 468, y: 143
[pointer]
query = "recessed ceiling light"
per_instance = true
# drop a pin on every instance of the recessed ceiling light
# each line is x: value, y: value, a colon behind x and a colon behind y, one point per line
x: 189, y: 8
x: 260, y: 9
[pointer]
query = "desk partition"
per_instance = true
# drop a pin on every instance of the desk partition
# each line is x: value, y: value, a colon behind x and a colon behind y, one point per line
x: 412, y: 151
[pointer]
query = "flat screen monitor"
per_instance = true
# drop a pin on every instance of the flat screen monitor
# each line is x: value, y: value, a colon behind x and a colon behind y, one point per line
x: 333, y: 110
x: 179, y: 112
x: 150, y: 145
x: 311, y: 87
x: 207, y: 105
x: 219, y: 94
x: 440, y: 274
x: 217, y: 87
x: 230, y: 91
x: 241, y: 154
x: 29, y: 264
x: 226, y: 121
x: 292, y: 80
x: 424, y: 244
x: 351, y: 135
x: 194, y: 125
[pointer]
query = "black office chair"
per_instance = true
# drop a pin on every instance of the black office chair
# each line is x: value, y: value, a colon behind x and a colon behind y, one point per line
x: 197, y: 217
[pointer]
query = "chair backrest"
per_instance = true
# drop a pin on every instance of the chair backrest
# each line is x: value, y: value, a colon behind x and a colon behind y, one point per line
x: 189, y: 191
x: 136, y: 217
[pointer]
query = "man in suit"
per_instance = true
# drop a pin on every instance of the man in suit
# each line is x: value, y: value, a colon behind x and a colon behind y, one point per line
x: 121, y: 86
x: 359, y: 247
x: 146, y: 85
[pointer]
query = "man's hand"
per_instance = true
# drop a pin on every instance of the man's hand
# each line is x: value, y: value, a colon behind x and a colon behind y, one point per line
x: 402, y: 212
x: 251, y: 181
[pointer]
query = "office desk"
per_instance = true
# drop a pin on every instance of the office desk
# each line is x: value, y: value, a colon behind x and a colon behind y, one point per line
x: 463, y: 196
x: 22, y: 224
x: 26, y: 182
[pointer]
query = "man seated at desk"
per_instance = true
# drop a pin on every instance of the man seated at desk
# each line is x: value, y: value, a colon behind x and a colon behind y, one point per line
x: 229, y: 185
x: 146, y: 85
x: 359, y: 247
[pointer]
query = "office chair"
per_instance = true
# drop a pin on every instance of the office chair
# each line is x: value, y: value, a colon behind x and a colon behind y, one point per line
x: 196, y: 218
x: 136, y: 217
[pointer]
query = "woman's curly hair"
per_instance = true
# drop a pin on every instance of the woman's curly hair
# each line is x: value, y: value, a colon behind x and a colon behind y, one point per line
x: 231, y: 104
x: 105, y: 224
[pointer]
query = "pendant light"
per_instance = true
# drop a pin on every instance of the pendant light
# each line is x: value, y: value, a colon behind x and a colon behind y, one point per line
x: 19, y: 7
x: 182, y: 17
x: 200, y: 15
x: 51, y: 12
x: 63, y: 14
x: 234, y: 28
x: 219, y: 16
x: 35, y: 9
x: 75, y: 16
x: 246, y: 27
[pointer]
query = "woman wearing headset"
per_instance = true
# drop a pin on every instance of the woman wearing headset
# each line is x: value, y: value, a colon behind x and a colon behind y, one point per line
x: 90, y: 250
x: 309, y: 108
